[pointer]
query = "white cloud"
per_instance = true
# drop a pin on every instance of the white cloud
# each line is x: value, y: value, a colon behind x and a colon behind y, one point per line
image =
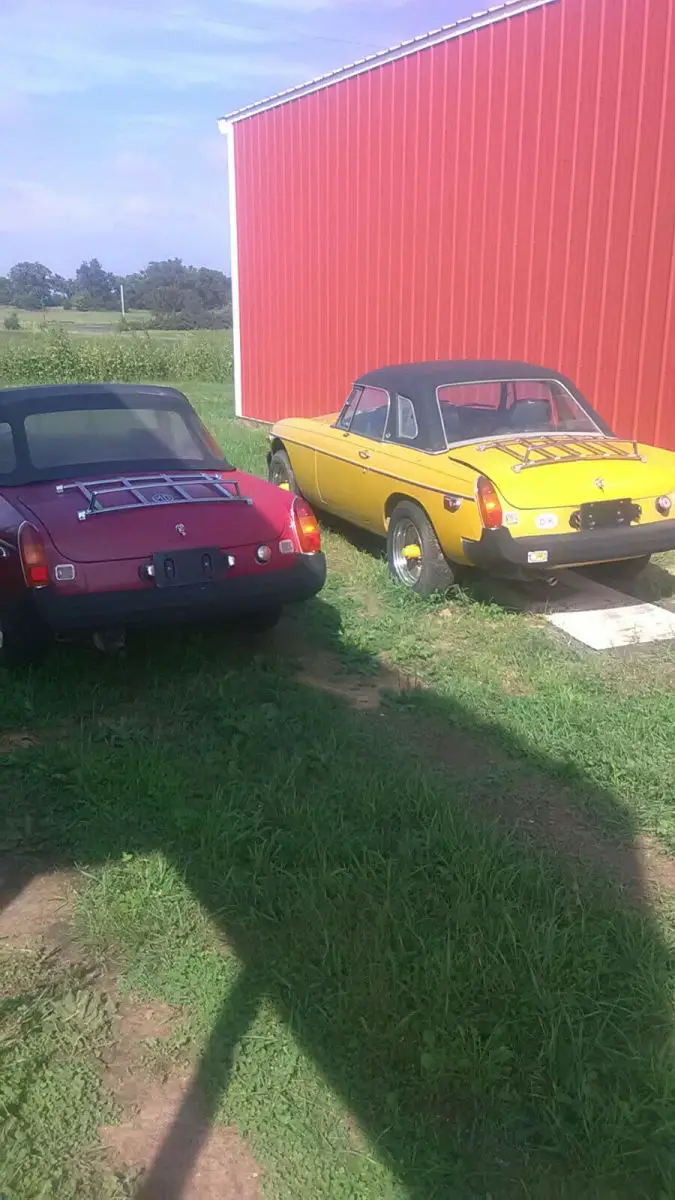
x: 48, y: 49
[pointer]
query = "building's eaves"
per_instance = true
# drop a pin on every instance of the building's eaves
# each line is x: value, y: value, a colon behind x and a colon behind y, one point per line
x: 465, y: 25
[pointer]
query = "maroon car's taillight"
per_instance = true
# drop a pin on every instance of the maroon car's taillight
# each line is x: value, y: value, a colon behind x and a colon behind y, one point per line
x: 306, y: 527
x: 33, y: 556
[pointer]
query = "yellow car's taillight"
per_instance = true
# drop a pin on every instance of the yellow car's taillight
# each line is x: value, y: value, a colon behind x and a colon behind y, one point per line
x: 489, y: 504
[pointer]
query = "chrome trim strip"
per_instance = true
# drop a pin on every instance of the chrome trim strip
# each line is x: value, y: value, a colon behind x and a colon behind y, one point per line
x: 385, y: 474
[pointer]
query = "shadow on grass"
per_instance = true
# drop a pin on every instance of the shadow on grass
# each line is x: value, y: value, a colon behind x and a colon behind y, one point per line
x: 497, y: 1021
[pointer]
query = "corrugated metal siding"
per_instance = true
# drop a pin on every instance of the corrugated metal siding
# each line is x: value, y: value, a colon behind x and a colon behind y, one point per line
x: 510, y: 192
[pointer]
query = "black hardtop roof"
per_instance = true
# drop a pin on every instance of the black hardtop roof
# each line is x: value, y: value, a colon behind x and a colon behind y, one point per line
x: 42, y: 397
x: 434, y: 374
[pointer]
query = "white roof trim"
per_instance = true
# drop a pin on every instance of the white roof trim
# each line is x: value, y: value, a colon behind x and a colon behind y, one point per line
x: 465, y: 25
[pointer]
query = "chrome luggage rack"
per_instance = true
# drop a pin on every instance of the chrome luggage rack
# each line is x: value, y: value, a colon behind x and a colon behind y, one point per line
x: 171, y: 489
x: 565, y: 451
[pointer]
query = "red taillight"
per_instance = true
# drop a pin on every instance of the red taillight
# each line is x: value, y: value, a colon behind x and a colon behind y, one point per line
x: 306, y: 527
x: 489, y: 504
x: 33, y: 556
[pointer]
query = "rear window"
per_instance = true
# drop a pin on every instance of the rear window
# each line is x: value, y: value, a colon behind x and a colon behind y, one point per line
x: 100, y: 435
x: 7, y: 455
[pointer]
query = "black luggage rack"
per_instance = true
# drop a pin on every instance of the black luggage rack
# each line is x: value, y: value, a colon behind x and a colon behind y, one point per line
x: 170, y: 489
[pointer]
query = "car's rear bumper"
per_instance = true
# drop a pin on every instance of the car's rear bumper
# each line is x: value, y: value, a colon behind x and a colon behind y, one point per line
x: 233, y: 597
x: 497, y: 549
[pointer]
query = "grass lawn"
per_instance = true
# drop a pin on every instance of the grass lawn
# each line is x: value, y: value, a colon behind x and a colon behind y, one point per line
x: 73, y: 320
x: 389, y: 868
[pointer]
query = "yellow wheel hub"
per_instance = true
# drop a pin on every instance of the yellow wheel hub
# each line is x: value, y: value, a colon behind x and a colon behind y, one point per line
x: 411, y: 551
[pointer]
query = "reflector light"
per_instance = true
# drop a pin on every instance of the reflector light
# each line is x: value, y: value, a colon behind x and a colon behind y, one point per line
x: 33, y: 556
x: 306, y: 527
x: 489, y: 504
x: 286, y: 546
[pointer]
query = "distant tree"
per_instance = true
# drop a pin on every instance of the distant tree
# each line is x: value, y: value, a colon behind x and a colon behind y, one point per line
x: 11, y: 321
x: 178, y: 296
x: 98, y: 286
x: 62, y: 288
x: 31, y: 285
x: 215, y: 289
x: 170, y: 287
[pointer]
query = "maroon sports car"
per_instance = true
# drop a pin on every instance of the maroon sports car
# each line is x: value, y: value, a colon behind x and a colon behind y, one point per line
x: 118, y: 509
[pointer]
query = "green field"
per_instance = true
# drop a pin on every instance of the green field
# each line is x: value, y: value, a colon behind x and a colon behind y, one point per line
x: 72, y: 320
x: 392, y: 870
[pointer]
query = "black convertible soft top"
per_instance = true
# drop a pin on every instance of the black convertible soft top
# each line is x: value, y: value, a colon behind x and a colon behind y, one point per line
x: 430, y: 375
x: 56, y: 397
x: 67, y: 430
x: 420, y: 382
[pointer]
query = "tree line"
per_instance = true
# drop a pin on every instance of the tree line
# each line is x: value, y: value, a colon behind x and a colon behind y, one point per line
x: 177, y: 296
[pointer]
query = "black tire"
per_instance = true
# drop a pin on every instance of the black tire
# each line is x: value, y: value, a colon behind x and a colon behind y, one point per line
x: 624, y: 571
x: 280, y: 472
x: 260, y: 622
x: 24, y: 642
x: 433, y: 573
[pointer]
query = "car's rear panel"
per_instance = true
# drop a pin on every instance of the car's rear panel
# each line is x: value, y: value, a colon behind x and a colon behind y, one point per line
x: 92, y: 548
x: 545, y: 483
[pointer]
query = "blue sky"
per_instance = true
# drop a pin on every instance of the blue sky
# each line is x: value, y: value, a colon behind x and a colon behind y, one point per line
x: 108, y: 139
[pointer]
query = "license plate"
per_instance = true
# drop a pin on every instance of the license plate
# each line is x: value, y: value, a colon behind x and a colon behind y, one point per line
x: 604, y: 514
x: 176, y: 568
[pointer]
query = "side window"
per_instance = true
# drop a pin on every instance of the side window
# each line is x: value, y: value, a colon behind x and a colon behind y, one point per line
x: 348, y: 409
x: 7, y: 455
x: 406, y: 421
x: 371, y: 414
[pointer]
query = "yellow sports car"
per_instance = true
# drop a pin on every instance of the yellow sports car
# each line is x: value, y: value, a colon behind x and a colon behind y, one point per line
x: 497, y: 465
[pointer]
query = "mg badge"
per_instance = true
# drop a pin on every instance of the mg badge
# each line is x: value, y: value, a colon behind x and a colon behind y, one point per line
x: 180, y: 528
x: 599, y: 483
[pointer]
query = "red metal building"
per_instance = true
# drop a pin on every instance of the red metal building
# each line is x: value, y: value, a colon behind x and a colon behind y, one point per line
x: 503, y: 187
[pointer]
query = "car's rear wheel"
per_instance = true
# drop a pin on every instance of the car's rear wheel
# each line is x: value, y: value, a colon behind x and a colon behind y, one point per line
x: 413, y: 551
x: 624, y: 571
x: 280, y: 472
x: 24, y: 642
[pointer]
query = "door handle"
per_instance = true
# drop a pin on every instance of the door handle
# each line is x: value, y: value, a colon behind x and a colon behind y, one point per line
x: 364, y: 453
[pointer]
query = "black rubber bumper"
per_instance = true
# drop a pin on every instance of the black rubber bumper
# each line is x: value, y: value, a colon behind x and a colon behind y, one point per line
x: 498, y: 550
x: 214, y: 601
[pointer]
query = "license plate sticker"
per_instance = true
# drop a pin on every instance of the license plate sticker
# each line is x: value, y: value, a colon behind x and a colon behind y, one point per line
x: 546, y: 521
x: 537, y: 556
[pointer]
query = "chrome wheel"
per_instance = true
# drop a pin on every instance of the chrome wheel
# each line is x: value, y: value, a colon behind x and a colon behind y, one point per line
x: 280, y: 472
x: 279, y: 476
x: 407, y: 552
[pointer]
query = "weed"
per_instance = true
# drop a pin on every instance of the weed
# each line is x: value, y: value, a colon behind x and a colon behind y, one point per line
x: 55, y: 356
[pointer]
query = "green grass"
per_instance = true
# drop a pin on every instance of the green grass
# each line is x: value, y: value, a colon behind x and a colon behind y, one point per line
x: 54, y: 1031
x: 70, y: 319
x: 388, y: 994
